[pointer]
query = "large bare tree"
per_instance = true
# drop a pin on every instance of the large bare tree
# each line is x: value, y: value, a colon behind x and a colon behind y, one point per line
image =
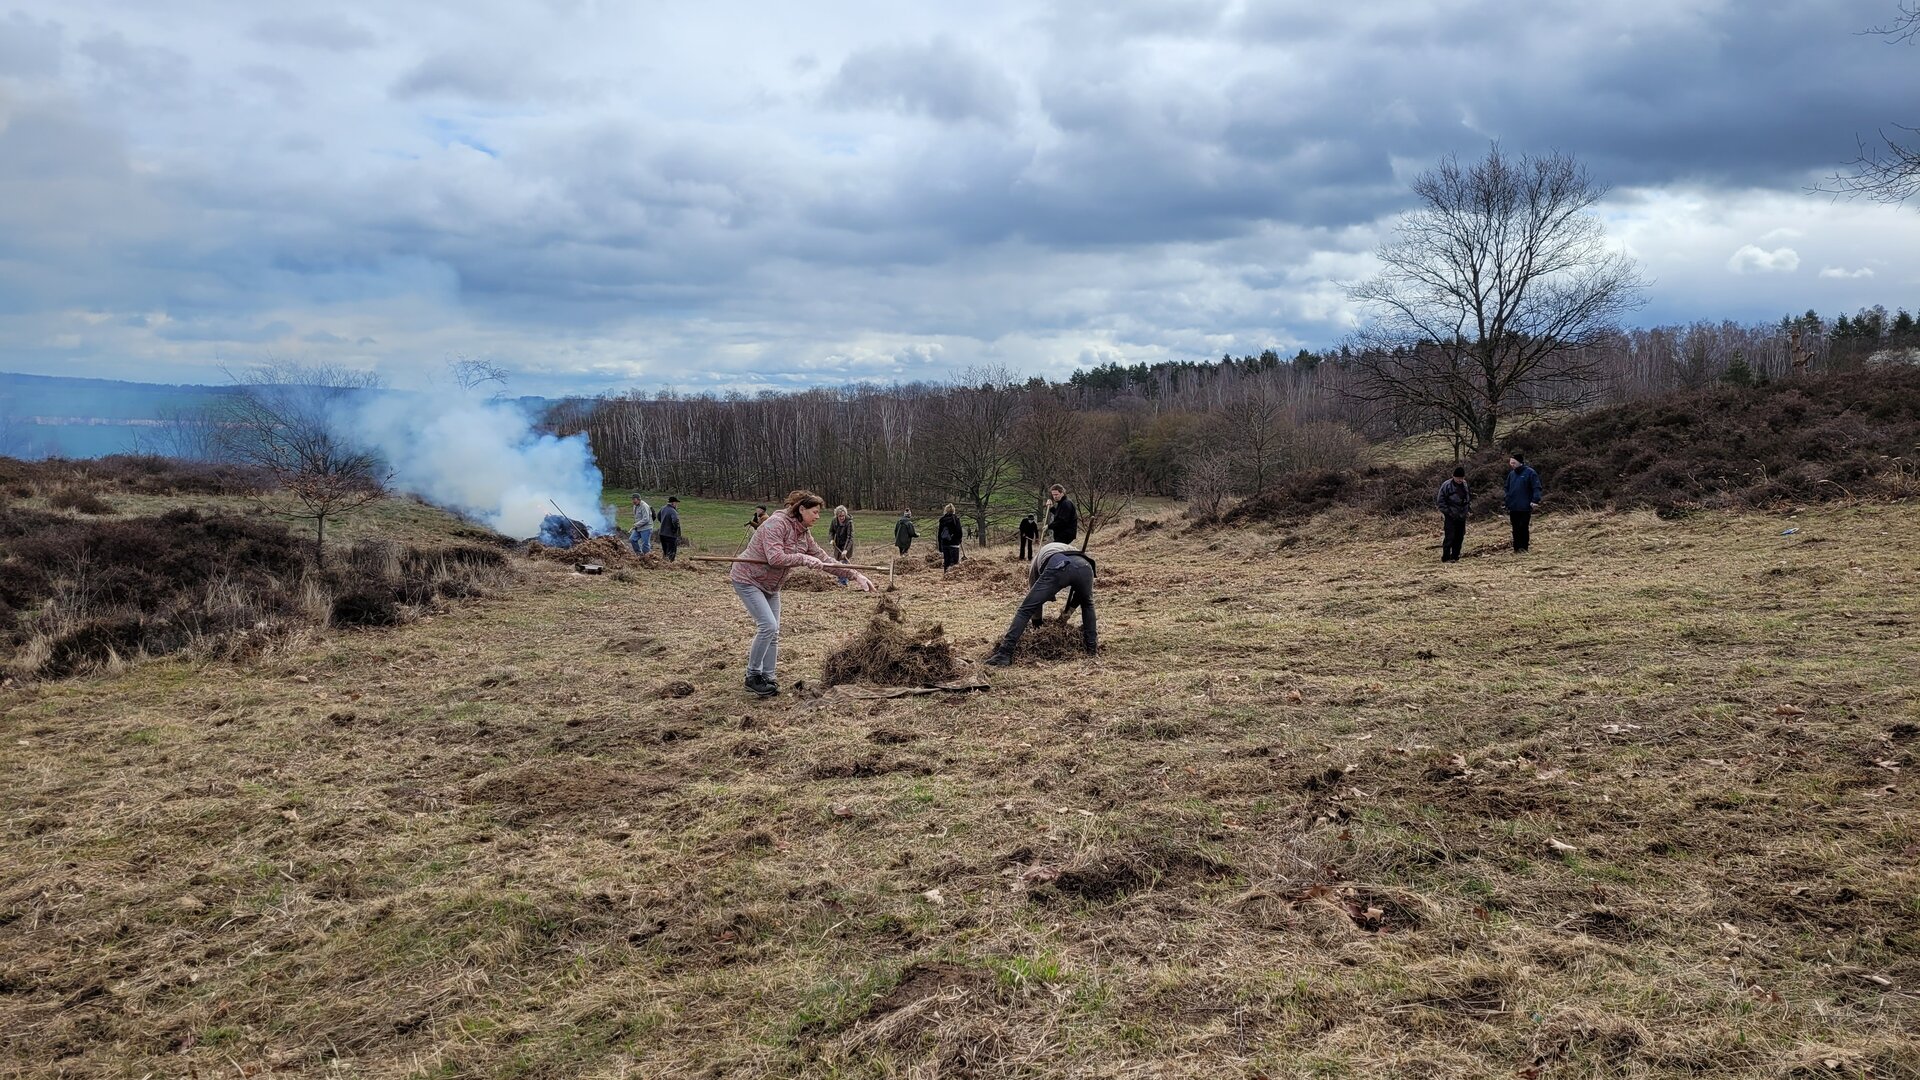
x: 285, y: 418
x: 968, y: 455
x: 1492, y: 292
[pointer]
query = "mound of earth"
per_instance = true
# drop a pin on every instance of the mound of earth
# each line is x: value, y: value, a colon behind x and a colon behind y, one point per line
x: 888, y: 653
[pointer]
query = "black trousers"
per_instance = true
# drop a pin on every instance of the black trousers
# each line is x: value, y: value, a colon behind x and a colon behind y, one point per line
x: 1076, y: 576
x: 1454, y: 536
x: 1522, y: 526
x: 669, y: 546
x: 903, y: 547
x: 949, y: 555
x: 1026, y: 547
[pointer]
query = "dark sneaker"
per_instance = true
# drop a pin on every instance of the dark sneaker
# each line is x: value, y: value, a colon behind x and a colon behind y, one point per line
x: 999, y: 659
x: 761, y: 685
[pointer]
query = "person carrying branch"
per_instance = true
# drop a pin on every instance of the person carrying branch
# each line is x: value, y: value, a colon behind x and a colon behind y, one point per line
x: 781, y: 543
x: 1057, y: 566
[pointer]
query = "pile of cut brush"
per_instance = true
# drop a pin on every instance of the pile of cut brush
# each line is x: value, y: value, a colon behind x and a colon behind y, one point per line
x: 609, y: 550
x: 888, y: 653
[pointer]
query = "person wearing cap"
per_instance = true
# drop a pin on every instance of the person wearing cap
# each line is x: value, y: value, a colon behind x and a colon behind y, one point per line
x: 1453, y: 500
x: 641, y: 538
x: 1055, y: 567
x: 904, y: 532
x: 669, y: 529
x: 759, y: 517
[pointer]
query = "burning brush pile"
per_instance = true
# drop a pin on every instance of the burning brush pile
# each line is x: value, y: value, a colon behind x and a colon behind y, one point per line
x: 889, y: 654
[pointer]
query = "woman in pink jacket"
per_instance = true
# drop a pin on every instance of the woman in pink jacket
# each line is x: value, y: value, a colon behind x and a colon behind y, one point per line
x: 780, y: 544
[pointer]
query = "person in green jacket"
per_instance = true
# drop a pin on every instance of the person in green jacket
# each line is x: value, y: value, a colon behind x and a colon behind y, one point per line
x: 904, y: 532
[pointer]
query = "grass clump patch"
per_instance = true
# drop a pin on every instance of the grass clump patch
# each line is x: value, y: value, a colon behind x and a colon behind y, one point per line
x: 888, y: 653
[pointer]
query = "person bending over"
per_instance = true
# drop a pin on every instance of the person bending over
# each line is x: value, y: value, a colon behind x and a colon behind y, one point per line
x: 1057, y: 566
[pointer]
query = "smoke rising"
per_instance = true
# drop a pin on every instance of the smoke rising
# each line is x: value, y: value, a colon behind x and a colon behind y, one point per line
x: 481, y: 458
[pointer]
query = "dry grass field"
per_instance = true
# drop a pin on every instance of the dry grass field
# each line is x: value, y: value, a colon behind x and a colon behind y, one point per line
x: 1640, y: 803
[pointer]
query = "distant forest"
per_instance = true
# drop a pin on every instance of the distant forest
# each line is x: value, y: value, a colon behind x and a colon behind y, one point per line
x: 991, y: 442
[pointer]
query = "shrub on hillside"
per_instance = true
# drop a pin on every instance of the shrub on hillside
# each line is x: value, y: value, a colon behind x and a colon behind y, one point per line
x: 78, y: 594
x: 1848, y: 434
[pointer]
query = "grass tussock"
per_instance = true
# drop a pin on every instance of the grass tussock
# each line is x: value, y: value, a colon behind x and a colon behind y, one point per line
x: 886, y: 652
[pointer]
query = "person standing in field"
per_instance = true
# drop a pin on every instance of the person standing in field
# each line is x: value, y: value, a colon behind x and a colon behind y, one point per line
x: 1453, y: 501
x: 948, y: 537
x: 840, y: 532
x: 1523, y: 498
x: 759, y: 517
x: 904, y: 532
x: 1063, y: 518
x: 1057, y: 566
x: 1029, y: 536
x: 641, y: 538
x: 669, y: 529
x: 781, y: 543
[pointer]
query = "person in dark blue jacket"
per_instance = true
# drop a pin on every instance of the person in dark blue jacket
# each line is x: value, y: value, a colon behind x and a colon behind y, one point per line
x: 1523, y: 498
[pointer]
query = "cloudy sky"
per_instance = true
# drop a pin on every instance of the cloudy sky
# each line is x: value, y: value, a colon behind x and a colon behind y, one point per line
x: 613, y: 195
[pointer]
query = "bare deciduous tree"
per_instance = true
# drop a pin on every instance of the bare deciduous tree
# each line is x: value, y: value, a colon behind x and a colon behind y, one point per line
x: 969, y: 452
x: 1889, y: 170
x: 1097, y: 474
x: 1207, y: 483
x: 1493, y: 290
x: 284, y: 418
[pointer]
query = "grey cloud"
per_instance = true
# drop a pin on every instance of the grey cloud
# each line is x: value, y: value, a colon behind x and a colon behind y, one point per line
x: 149, y: 71
x: 28, y: 48
x: 942, y: 79
x: 464, y: 75
x: 326, y: 32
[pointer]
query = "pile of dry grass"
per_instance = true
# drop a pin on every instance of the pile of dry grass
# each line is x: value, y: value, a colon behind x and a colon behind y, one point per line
x: 1055, y: 640
x: 889, y: 654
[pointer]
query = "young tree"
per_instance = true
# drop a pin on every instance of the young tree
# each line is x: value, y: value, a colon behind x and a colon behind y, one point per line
x: 285, y: 419
x: 1098, y: 475
x: 1493, y: 291
x: 968, y: 453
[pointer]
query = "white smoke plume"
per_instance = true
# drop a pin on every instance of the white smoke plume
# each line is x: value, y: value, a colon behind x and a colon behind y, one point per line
x: 481, y: 458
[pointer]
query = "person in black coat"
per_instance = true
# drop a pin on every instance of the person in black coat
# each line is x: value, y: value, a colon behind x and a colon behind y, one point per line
x: 1453, y: 500
x: 1029, y: 535
x: 949, y: 538
x: 669, y: 533
x: 1063, y: 518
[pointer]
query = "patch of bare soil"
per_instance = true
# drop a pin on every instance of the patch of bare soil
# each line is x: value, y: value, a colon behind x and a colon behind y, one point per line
x: 1098, y: 878
x: 563, y: 788
x: 888, y: 653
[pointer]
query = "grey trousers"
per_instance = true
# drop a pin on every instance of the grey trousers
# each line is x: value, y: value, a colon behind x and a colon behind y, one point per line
x: 765, y: 609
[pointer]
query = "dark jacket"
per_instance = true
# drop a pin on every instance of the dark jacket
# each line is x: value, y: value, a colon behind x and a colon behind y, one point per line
x: 1029, y: 528
x: 1453, y: 499
x: 1523, y: 488
x: 950, y: 531
x: 669, y: 523
x: 904, y: 532
x: 841, y: 533
x: 1065, y: 524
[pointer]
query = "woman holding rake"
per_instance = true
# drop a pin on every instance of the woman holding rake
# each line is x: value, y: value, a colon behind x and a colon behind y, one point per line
x: 780, y: 544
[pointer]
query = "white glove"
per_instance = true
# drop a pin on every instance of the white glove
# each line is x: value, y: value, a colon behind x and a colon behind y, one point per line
x: 813, y: 562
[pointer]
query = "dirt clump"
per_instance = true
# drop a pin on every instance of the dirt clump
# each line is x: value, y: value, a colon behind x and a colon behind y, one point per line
x: 562, y: 789
x: 1055, y: 639
x: 890, y: 654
